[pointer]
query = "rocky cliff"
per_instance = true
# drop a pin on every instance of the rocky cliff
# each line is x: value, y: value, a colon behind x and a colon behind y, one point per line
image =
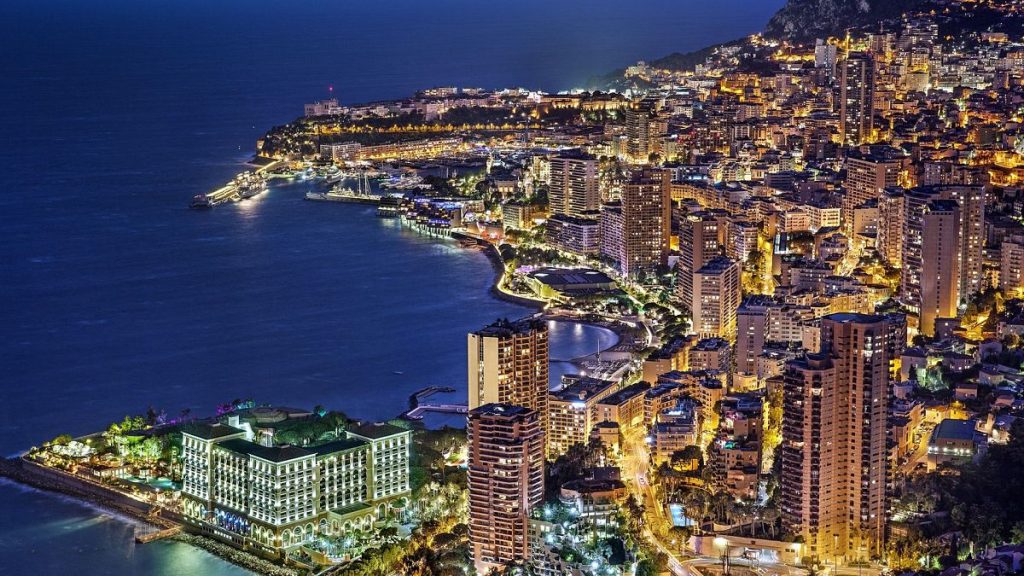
x: 806, y: 19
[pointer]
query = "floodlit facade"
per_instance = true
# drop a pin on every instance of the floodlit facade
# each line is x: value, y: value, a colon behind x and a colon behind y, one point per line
x: 508, y: 364
x: 275, y: 497
x: 506, y: 480
x: 834, y: 453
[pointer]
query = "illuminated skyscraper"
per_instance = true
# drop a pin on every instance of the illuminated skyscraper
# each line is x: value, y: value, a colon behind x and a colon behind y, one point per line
x: 574, y: 185
x: 834, y: 432
x: 700, y: 239
x: 716, y: 298
x: 868, y: 173
x: 508, y: 364
x: 646, y: 222
x: 506, y: 480
x: 856, y: 97
x: 940, y: 267
x: 643, y: 129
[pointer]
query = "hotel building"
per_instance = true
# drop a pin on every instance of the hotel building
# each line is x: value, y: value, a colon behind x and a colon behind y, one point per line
x: 274, y: 497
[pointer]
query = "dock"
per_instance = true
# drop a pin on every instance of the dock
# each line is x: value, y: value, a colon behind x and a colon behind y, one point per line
x: 229, y: 192
x: 418, y: 412
x: 147, y: 537
x: 420, y: 409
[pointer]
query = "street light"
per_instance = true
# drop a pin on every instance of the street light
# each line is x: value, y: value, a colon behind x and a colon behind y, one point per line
x: 724, y: 544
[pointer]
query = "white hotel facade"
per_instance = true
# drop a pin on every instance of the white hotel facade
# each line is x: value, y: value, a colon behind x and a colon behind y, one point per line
x: 275, y: 497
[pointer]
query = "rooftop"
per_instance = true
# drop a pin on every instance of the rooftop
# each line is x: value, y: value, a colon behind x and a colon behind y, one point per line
x: 583, y: 389
x: 507, y: 410
x: 375, y: 430
x: 269, y: 453
x: 950, y: 429
x: 210, y: 431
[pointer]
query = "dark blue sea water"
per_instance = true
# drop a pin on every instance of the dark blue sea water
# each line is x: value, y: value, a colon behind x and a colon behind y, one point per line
x: 114, y: 297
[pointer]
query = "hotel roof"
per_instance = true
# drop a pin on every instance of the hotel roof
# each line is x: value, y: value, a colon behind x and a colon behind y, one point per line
x: 210, y: 431
x: 374, y: 430
x: 269, y: 453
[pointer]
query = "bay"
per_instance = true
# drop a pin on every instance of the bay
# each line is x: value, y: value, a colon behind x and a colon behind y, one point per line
x: 115, y: 297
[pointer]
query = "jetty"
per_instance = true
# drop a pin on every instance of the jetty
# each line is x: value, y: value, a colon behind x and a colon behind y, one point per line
x: 153, y: 536
x: 418, y: 412
x: 418, y: 408
x: 230, y: 191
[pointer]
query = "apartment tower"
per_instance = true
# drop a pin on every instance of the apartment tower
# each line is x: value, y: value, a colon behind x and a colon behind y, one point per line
x: 506, y: 480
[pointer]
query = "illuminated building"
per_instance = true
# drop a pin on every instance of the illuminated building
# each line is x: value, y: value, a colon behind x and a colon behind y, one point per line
x: 940, y: 267
x: 711, y: 354
x: 952, y: 442
x: 972, y: 236
x: 574, y: 185
x: 506, y: 480
x: 1011, y: 268
x: 273, y: 497
x: 643, y: 130
x: 701, y: 238
x: 517, y: 215
x: 716, y: 296
x: 625, y: 407
x: 581, y: 236
x: 932, y: 225
x: 675, y: 429
x: 611, y: 227
x: 751, y: 331
x: 868, y: 173
x: 646, y: 223
x: 856, y: 98
x: 890, y: 226
x: 835, y: 424
x: 571, y: 413
x: 508, y: 364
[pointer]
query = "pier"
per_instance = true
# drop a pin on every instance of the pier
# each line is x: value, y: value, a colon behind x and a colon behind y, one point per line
x: 229, y: 192
x: 418, y: 412
x: 419, y: 408
x: 147, y: 537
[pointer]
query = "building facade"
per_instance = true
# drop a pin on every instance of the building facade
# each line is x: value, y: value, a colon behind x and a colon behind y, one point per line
x: 506, y: 480
x: 276, y: 497
x: 835, y: 429
x: 508, y: 364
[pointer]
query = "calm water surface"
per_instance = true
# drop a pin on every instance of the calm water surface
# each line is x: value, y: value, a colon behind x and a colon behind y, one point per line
x: 114, y: 297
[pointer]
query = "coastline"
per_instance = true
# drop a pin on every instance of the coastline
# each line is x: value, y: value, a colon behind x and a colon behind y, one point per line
x: 20, y: 471
x: 34, y: 476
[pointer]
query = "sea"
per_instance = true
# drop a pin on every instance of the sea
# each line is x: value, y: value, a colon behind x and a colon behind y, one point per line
x: 114, y: 297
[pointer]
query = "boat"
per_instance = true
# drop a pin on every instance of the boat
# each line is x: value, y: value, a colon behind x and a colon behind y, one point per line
x: 250, y: 184
x: 339, y: 193
x: 334, y: 175
x: 201, y: 202
x: 326, y: 196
